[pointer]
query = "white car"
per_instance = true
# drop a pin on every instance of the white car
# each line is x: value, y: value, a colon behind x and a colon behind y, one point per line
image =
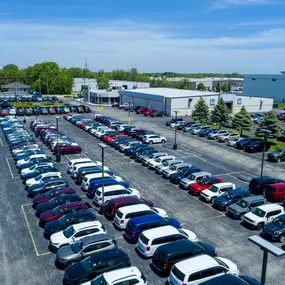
x: 176, y: 124
x: 34, y: 167
x: 76, y: 167
x: 43, y: 177
x: 216, y: 190
x: 150, y: 139
x: 22, y: 161
x: 125, y: 276
x: 228, y: 137
x: 198, y: 269
x: 193, y: 178
x: 73, y: 162
x: 233, y: 142
x: 76, y: 232
x: 124, y: 214
x: 166, y: 164
x: 112, y: 192
x: 102, y: 132
x: 12, y: 112
x: 128, y: 145
x: 25, y: 148
x: 159, y: 160
x: 174, y: 169
x: 262, y: 215
x: 122, y: 127
x: 150, y: 157
x: 87, y: 179
x: 151, y: 239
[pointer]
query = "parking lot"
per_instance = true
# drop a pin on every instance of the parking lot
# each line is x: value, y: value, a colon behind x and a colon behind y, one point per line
x: 25, y: 257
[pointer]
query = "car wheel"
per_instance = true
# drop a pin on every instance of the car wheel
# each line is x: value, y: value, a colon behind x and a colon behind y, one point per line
x: 260, y: 226
x: 282, y: 238
x: 163, y: 141
x: 150, y: 142
x: 212, y: 200
x: 279, y: 160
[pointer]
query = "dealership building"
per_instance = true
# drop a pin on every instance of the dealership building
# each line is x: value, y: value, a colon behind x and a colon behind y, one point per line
x: 183, y: 101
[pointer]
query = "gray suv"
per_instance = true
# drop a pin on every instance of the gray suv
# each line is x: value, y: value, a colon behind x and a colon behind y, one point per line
x: 245, y: 205
x: 84, y: 247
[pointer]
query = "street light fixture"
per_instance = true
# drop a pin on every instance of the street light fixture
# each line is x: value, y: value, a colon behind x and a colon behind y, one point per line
x: 175, y: 131
x: 266, y: 135
x: 129, y: 117
x: 57, y: 151
x: 103, y: 146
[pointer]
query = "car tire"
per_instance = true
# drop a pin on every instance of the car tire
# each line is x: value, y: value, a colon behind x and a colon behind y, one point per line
x: 163, y: 141
x: 279, y: 160
x: 282, y: 239
x: 212, y: 200
x: 260, y: 226
x: 150, y: 142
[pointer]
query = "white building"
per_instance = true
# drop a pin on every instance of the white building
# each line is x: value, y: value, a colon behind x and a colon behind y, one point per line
x: 79, y: 82
x: 169, y: 100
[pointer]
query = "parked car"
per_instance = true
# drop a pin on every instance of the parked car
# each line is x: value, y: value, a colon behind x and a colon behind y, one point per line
x: 257, y: 185
x: 228, y: 137
x: 275, y: 192
x: 204, y: 133
x: 182, y: 173
x: 232, y: 280
x: 173, y: 120
x: 244, y: 142
x: 215, y: 133
x: 262, y: 215
x: 193, y: 178
x: 278, y: 155
x: 233, y: 142
x: 67, y: 148
x: 95, y: 265
x: 159, y: 160
x: 20, y: 111
x: 168, y: 254
x: 173, y: 169
x: 203, y: 184
x: 257, y: 146
x: 158, y: 114
x: 275, y: 230
x: 166, y: 164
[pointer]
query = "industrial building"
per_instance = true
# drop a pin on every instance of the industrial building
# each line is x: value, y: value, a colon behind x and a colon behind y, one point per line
x: 265, y: 85
x: 15, y: 87
x: 170, y: 100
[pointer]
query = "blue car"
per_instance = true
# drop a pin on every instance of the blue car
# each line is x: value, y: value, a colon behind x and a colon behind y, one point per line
x: 182, y: 173
x: 28, y: 153
x: 38, y: 171
x: 230, y: 197
x: 137, y: 225
x: 134, y: 148
x: 173, y: 120
x: 108, y: 181
x: 230, y: 279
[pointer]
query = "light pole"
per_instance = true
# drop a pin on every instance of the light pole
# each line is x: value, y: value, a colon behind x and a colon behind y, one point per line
x: 57, y: 151
x: 175, y: 131
x: 24, y: 121
x: 103, y: 146
x: 266, y: 134
x: 129, y: 118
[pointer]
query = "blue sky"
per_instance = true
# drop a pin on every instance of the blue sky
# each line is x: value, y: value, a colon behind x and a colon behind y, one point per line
x: 246, y: 36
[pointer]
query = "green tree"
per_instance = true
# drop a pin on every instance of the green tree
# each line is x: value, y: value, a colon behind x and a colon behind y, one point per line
x: 229, y: 87
x: 201, y: 111
x: 225, y: 87
x: 201, y: 86
x: 102, y: 80
x: 221, y: 113
x: 11, y: 66
x: 242, y: 121
x: 270, y: 123
x: 218, y: 87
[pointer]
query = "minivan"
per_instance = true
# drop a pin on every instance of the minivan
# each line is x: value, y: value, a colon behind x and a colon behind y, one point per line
x: 168, y: 254
x: 275, y: 192
x: 137, y: 225
x: 245, y: 205
x: 151, y: 239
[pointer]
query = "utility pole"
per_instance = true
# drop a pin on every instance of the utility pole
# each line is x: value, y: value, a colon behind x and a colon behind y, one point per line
x: 84, y: 79
x: 40, y: 88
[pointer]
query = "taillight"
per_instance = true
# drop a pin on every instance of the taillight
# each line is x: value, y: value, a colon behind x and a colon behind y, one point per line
x: 100, y: 198
x: 121, y: 221
x: 133, y: 234
x: 148, y: 248
x: 86, y: 184
x: 113, y: 212
x: 165, y: 266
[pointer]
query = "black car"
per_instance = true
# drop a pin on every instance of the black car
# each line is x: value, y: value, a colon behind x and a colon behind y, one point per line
x: 257, y: 145
x: 204, y: 132
x: 276, y: 230
x: 244, y: 142
x: 54, y: 98
x: 29, y: 111
x: 277, y: 155
x: 36, y: 111
x: 95, y: 265
x: 167, y: 255
x: 258, y: 184
x: 229, y: 279
x: 20, y: 112
x: 158, y: 114
x: 59, y: 110
x: 86, y: 109
x: 67, y: 220
x: 59, y: 200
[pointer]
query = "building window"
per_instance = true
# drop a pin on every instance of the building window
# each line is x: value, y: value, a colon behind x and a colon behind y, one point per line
x: 260, y: 105
x: 189, y: 103
x: 253, y: 79
x: 273, y: 79
x: 105, y: 99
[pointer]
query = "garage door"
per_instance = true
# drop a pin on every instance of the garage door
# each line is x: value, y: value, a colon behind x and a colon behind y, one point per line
x: 157, y: 105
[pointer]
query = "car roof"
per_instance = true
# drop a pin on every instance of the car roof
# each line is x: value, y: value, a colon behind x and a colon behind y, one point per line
x: 122, y: 200
x: 96, y: 175
x: 167, y: 157
x: 108, y: 254
x: 72, y: 161
x: 85, y: 225
x: 201, y: 173
x: 85, y: 164
x: 196, y: 263
x: 147, y: 219
x: 178, y: 246
x: 112, y: 187
x: 269, y: 207
x: 121, y: 274
x: 134, y: 208
x: 223, y: 184
x: 225, y: 279
x: 237, y: 191
x: 160, y: 232
x: 95, y: 238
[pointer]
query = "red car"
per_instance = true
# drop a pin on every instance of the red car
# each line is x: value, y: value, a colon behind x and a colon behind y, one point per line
x: 275, y: 192
x: 181, y: 127
x: 50, y: 194
x: 67, y: 148
x: 141, y: 110
x: 135, y: 132
x: 281, y: 116
x: 203, y: 184
x: 149, y: 112
x: 51, y: 111
x: 114, y: 204
x: 115, y: 137
x: 4, y: 112
x: 61, y: 210
x: 127, y: 108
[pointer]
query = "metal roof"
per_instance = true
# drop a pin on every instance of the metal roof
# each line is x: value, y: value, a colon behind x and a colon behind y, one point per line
x: 15, y: 85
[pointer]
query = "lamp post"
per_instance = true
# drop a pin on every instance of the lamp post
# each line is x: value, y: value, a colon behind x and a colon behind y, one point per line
x: 129, y: 117
x: 103, y: 146
x: 266, y: 134
x: 37, y: 135
x: 175, y: 131
x: 57, y: 151
x: 24, y: 121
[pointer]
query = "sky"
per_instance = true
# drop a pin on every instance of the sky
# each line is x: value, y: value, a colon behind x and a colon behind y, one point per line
x: 245, y: 36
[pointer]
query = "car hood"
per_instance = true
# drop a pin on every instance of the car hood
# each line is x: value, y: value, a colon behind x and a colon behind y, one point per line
x: 58, y: 238
x: 26, y: 171
x: 186, y: 180
x: 75, y: 272
x: 65, y: 252
x: 197, y: 187
x: 40, y: 199
x: 209, y: 193
x: 191, y: 236
x: 253, y: 217
x: 54, y: 226
x: 209, y: 248
x: 31, y: 181
x: 45, y: 206
x: 232, y: 267
x: 36, y: 186
x: 237, y: 208
x: 272, y: 228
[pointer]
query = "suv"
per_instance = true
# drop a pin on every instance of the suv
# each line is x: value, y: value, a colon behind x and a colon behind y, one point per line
x: 257, y: 146
x: 257, y: 185
x: 275, y: 192
x: 215, y: 133
x: 245, y: 205
x: 166, y: 164
x: 262, y: 215
x: 152, y: 156
x: 227, y: 137
x: 277, y: 155
x: 150, y: 139
x: 95, y: 265
x: 166, y: 173
x: 203, y: 184
x: 173, y: 120
x: 275, y: 230
x: 193, y: 178
x: 182, y: 173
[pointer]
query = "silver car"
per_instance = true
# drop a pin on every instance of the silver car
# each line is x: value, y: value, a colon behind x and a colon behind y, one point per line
x: 152, y: 156
x: 193, y: 178
x: 174, y: 168
x: 189, y: 128
x: 166, y: 164
x: 84, y: 247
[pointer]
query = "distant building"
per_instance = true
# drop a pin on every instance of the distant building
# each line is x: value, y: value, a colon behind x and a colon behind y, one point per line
x: 79, y: 82
x: 15, y: 87
x: 265, y: 85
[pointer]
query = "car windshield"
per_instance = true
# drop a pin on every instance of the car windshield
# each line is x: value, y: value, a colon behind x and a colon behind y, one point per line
x: 242, y: 203
x: 228, y: 196
x: 87, y: 264
x: 157, y: 159
x: 221, y: 263
x: 214, y: 189
x: 214, y: 132
x: 27, y: 158
x: 151, y: 155
x: 258, y: 212
x: 201, y: 182
x: 165, y: 163
x: 279, y: 222
x: 191, y: 177
x: 68, y: 232
x: 56, y: 210
x: 172, y: 167
x: 100, y: 280
x: 39, y: 177
x: 181, y: 171
x: 33, y: 167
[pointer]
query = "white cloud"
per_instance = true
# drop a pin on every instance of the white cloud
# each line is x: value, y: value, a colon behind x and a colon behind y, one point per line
x: 221, y: 4
x: 125, y: 44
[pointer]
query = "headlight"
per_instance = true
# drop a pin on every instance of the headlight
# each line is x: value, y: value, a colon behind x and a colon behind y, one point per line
x: 276, y: 233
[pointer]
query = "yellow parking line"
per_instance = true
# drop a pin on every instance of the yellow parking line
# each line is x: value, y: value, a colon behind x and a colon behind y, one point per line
x: 29, y: 229
x: 9, y: 168
x: 237, y: 179
x: 45, y: 253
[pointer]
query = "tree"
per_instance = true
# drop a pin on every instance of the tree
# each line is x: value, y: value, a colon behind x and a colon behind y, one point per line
x: 201, y: 111
x: 225, y: 87
x: 201, y: 86
x: 11, y: 66
x: 218, y: 87
x: 242, y: 121
x: 270, y: 123
x: 102, y: 80
x: 221, y: 113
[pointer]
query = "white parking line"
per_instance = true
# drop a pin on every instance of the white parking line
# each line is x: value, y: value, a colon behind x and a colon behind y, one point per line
x: 12, y: 175
x: 1, y: 142
x: 67, y: 157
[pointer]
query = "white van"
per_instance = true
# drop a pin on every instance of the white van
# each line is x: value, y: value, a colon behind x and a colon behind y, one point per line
x: 198, y: 269
x: 216, y: 190
x: 159, y: 160
x: 87, y: 179
x: 76, y: 161
x: 193, y: 178
x: 124, y: 214
x: 114, y: 191
x: 150, y: 240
